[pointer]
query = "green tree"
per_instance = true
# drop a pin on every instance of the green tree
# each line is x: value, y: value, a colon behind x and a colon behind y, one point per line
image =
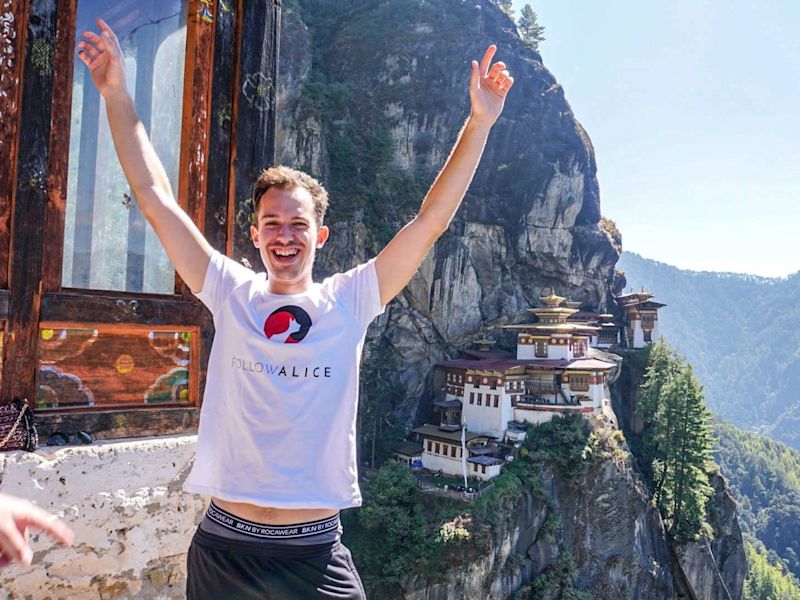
x: 676, y: 442
x: 531, y: 31
x: 663, y: 364
x: 765, y: 580
x: 682, y: 432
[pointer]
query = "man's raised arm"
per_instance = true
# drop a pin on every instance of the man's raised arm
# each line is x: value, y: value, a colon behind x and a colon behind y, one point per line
x: 185, y: 245
x: 400, y: 259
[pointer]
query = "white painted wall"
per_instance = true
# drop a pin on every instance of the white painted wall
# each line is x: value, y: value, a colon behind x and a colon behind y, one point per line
x: 132, y: 521
x: 486, y: 419
x: 437, y: 462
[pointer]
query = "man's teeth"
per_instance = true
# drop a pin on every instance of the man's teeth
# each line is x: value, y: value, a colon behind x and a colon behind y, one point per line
x: 285, y: 251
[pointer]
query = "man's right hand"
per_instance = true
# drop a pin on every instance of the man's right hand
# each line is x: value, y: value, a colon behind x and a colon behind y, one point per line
x: 102, y: 54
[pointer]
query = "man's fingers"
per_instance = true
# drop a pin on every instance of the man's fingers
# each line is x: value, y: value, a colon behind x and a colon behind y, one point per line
x: 507, y: 84
x: 89, y: 49
x: 496, y: 69
x: 50, y: 524
x: 487, y: 60
x: 501, y: 77
x: 92, y: 37
x: 109, y: 33
x: 13, y: 546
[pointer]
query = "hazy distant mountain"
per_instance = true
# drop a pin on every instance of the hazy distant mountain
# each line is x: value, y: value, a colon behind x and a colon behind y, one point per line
x: 742, y: 335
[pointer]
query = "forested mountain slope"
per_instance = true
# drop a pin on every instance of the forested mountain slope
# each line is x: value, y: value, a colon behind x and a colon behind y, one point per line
x: 742, y: 335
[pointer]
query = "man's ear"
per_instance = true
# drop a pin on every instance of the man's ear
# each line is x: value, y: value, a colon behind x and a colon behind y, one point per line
x: 254, y: 235
x: 322, y: 236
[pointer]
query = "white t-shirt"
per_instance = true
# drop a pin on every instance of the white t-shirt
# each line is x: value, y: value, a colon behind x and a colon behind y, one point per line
x: 278, y: 422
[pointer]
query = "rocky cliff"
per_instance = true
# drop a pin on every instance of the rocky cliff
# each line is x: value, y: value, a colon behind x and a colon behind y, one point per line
x: 372, y: 97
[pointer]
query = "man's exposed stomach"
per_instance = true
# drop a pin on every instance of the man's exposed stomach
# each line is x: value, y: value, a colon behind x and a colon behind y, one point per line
x: 274, y: 516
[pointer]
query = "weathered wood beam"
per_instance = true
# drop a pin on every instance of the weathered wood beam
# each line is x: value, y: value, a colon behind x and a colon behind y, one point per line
x: 129, y: 309
x: 221, y: 130
x: 3, y: 306
x: 109, y: 424
x: 254, y: 118
x: 55, y: 210
x: 30, y: 199
x: 13, y: 15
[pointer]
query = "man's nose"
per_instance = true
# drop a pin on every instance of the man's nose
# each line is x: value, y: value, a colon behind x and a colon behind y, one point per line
x: 285, y: 231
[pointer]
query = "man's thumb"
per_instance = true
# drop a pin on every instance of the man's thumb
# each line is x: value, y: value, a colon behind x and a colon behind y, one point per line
x: 474, y: 75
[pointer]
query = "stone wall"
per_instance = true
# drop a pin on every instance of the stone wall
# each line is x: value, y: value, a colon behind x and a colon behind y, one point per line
x: 124, y: 500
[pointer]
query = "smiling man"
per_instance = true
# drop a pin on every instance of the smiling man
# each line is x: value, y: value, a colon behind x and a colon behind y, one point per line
x: 276, y: 451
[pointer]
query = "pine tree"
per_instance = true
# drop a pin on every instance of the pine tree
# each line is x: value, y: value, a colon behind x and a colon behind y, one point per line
x: 683, y: 434
x: 663, y: 365
x: 532, y: 33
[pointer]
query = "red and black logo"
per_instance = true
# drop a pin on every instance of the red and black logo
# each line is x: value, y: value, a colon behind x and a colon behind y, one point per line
x: 287, y: 325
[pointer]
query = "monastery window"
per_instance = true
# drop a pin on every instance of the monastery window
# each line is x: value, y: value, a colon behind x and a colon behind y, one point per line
x: 648, y: 335
x: 102, y: 323
x: 579, y: 383
x: 483, y: 469
x: 475, y: 467
x: 496, y: 401
x: 438, y: 448
x: 480, y: 399
x: 472, y: 397
x: 453, y: 451
x: 541, y: 349
x: 430, y: 446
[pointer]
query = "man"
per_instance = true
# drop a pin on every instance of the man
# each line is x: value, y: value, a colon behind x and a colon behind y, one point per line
x: 277, y: 446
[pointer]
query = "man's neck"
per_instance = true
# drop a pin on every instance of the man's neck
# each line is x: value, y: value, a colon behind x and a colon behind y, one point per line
x: 286, y: 288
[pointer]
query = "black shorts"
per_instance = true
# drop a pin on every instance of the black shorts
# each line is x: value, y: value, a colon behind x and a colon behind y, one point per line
x: 223, y: 569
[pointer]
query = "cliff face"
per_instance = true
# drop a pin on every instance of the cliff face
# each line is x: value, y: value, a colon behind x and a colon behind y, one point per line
x: 606, y: 526
x: 375, y: 114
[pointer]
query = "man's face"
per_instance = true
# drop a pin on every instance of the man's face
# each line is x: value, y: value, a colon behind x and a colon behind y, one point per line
x: 287, y: 236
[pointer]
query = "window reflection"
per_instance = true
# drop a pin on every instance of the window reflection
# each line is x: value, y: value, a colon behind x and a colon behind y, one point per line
x: 107, y: 243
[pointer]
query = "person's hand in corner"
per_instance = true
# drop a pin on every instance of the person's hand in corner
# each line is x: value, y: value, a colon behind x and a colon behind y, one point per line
x: 16, y: 517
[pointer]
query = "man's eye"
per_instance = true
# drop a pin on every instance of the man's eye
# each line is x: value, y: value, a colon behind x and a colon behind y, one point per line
x: 301, y: 225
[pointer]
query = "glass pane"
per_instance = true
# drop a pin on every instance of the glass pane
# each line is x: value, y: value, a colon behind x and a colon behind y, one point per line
x: 107, y: 243
x: 108, y: 367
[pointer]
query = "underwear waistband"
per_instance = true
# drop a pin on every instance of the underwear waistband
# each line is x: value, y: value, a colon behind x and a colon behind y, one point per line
x: 271, y: 532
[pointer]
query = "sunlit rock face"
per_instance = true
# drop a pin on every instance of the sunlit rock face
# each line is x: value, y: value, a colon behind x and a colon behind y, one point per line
x: 530, y: 221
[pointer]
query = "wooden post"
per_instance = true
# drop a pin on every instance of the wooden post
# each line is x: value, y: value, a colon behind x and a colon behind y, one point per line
x: 255, y: 113
x: 13, y: 15
x: 19, y: 364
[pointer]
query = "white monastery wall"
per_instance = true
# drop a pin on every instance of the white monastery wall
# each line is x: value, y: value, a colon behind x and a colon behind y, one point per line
x: 437, y: 462
x: 133, y: 523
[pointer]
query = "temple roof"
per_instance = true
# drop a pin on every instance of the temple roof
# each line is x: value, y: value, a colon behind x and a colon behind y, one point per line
x: 433, y: 431
x: 407, y: 448
x: 488, y: 461
x: 501, y: 366
x: 552, y: 300
x: 589, y: 364
x: 648, y: 304
x: 447, y: 403
x: 481, y: 355
x: 554, y: 327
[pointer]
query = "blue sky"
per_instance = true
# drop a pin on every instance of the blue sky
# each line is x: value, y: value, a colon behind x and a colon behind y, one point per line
x: 693, y: 107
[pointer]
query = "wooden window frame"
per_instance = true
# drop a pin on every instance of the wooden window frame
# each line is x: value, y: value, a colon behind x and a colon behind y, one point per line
x: 237, y: 43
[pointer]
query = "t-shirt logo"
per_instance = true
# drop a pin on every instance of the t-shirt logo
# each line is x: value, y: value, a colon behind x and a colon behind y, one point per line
x: 287, y: 325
